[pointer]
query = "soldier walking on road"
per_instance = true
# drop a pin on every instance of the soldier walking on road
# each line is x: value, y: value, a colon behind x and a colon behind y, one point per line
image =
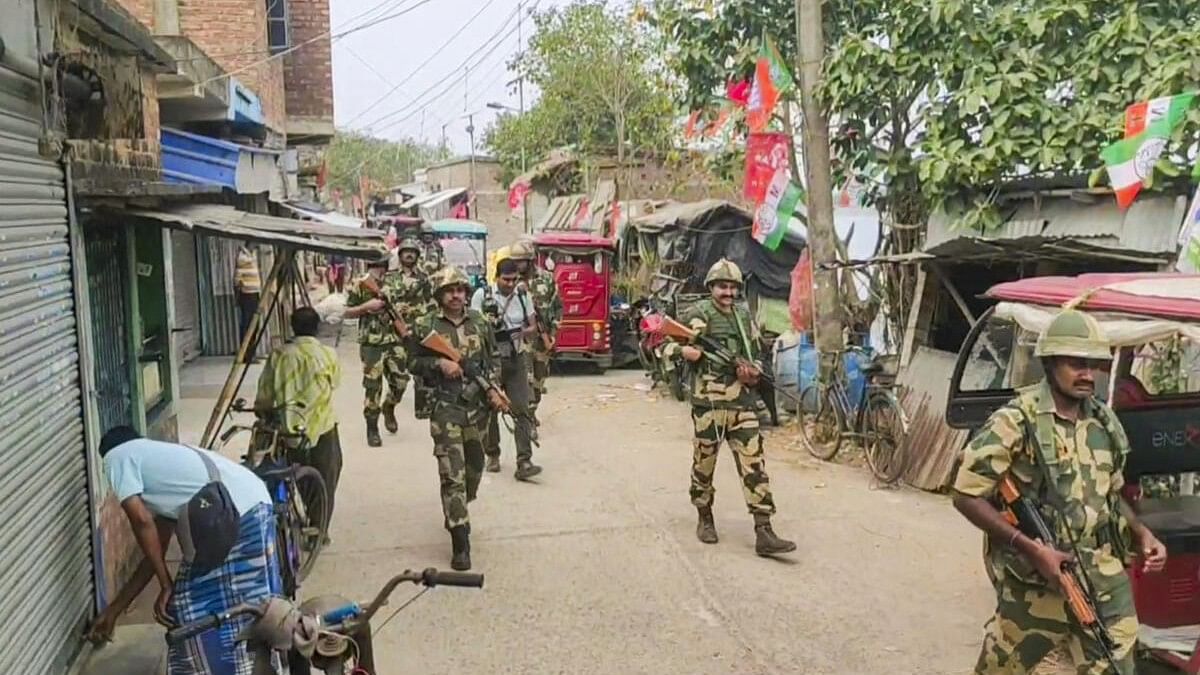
x: 724, y: 406
x: 462, y: 393
x: 548, y: 306
x: 513, y: 321
x: 380, y: 348
x: 412, y: 297
x: 433, y: 257
x: 1065, y: 451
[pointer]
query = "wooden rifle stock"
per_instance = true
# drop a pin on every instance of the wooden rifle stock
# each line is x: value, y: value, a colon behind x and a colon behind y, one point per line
x: 674, y: 329
x: 398, y: 324
x: 1021, y: 513
x: 438, y: 344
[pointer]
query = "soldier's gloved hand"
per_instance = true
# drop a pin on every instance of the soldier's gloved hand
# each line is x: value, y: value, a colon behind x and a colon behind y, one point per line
x: 450, y: 369
x: 1050, y: 563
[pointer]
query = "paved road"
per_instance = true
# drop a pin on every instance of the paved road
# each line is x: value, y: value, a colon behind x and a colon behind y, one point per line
x: 596, y: 568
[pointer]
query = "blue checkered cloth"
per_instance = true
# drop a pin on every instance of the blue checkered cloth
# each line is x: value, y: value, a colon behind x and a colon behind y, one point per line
x: 250, y: 573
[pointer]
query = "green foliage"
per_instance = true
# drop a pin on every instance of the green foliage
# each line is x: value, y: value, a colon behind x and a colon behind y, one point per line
x: 385, y: 163
x: 938, y: 102
x: 602, y: 88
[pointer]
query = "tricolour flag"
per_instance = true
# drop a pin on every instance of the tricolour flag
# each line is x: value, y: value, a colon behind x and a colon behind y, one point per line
x: 1144, y: 113
x: 1189, y: 239
x: 771, y: 78
x: 783, y: 201
x: 1131, y: 161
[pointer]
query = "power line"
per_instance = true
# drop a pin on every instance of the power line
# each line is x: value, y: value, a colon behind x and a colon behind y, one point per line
x: 448, y: 84
x: 426, y: 62
x: 333, y: 37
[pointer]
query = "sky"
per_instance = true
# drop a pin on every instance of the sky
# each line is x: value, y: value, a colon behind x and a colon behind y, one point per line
x: 370, y: 62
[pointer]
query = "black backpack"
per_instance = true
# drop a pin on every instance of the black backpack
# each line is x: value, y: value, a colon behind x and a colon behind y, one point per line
x: 209, y: 524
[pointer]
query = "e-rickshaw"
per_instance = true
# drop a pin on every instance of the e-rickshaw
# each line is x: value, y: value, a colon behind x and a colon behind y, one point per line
x: 1153, y: 385
x: 465, y: 245
x: 582, y: 267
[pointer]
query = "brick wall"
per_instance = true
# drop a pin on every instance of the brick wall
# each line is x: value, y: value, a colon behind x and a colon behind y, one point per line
x: 234, y: 34
x: 458, y: 175
x: 142, y: 10
x: 308, y: 72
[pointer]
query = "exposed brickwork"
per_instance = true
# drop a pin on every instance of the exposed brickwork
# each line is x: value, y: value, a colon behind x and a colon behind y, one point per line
x: 308, y: 71
x: 142, y: 10
x: 234, y: 34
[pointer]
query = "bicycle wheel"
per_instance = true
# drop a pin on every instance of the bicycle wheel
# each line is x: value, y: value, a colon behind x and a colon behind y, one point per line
x: 883, y: 436
x: 307, y: 518
x: 820, y: 422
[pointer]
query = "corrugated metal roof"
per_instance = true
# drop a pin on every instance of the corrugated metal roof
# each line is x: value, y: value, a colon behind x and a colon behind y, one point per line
x: 1149, y: 226
x: 580, y: 213
x: 430, y: 200
x: 674, y: 213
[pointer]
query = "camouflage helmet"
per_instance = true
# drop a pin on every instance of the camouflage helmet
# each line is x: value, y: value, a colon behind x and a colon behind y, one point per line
x: 1073, y: 333
x: 522, y: 250
x: 410, y: 243
x: 426, y: 227
x: 383, y: 260
x: 723, y: 270
x: 449, y: 276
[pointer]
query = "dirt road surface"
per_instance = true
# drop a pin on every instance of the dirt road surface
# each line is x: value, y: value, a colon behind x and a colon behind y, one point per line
x: 596, y: 568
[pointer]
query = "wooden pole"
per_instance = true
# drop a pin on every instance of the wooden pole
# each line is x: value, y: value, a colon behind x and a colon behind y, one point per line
x: 821, y: 234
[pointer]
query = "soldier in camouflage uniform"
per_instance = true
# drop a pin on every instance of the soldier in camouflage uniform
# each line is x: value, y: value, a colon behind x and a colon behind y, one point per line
x: 432, y: 254
x: 459, y: 419
x: 548, y: 306
x: 413, y: 298
x: 380, y: 348
x: 724, y: 408
x: 1065, y: 450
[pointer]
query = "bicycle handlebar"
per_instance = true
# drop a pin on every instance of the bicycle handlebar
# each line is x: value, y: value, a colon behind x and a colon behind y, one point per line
x: 190, y: 630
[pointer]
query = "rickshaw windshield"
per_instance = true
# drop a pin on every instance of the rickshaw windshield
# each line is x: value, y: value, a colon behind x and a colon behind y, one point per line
x: 464, y: 252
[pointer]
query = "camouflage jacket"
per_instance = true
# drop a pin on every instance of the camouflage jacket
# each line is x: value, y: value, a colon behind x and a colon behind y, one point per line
x: 375, y: 329
x: 411, y: 294
x: 547, y: 304
x: 461, y: 400
x: 1072, y: 471
x: 714, y: 382
x: 432, y: 257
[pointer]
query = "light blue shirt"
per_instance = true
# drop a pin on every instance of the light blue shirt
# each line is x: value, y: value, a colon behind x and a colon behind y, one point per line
x: 167, y: 475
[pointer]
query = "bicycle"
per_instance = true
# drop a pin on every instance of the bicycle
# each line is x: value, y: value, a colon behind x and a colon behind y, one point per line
x: 340, y: 629
x: 298, y: 492
x: 824, y: 413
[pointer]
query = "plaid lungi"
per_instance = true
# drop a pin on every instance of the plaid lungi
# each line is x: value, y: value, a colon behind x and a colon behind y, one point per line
x: 250, y: 573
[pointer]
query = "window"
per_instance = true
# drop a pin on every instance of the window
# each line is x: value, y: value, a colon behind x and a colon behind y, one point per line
x: 278, y: 35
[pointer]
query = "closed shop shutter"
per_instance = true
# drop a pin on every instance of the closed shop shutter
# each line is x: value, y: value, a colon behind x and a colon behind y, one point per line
x: 187, y: 296
x: 45, y: 540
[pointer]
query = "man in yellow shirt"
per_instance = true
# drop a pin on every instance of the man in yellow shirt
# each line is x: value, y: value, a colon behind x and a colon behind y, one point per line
x: 296, y: 387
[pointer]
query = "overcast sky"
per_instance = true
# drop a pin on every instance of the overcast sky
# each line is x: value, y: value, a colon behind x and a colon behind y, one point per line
x: 369, y: 62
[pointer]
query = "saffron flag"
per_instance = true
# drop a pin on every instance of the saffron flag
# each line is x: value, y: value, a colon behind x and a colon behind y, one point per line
x: 784, y: 199
x: 771, y: 79
x: 517, y: 194
x: 690, y: 130
x: 1131, y: 161
x: 766, y: 153
x: 738, y: 93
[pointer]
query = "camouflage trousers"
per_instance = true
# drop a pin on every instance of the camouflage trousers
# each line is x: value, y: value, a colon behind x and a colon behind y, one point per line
x: 539, y: 371
x: 1031, y: 620
x: 382, y: 362
x: 738, y: 428
x: 459, y: 452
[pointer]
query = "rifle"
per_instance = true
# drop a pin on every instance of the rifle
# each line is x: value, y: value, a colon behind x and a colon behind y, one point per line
x: 543, y: 330
x: 398, y: 324
x: 438, y: 344
x: 673, y: 329
x: 1022, y: 514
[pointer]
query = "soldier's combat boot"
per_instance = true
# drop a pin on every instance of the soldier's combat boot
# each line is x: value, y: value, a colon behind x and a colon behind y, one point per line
x: 526, y: 470
x: 766, y: 542
x: 373, y: 438
x: 389, y: 418
x: 706, y: 529
x: 493, y: 464
x: 460, y: 539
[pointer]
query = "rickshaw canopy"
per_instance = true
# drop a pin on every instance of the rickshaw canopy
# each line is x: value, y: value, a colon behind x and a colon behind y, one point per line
x: 573, y: 240
x: 459, y: 226
x: 1150, y: 294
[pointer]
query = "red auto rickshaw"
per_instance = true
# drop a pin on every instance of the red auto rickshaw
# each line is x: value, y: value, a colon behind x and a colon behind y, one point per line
x: 1152, y: 321
x: 582, y: 267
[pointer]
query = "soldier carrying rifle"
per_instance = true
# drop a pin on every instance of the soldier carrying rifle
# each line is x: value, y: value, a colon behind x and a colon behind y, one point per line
x: 1052, y: 460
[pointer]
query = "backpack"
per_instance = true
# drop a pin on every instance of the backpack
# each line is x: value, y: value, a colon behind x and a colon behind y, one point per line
x: 209, y: 524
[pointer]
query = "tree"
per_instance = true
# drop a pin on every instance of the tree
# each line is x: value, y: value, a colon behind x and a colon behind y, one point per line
x: 602, y: 88
x: 353, y: 155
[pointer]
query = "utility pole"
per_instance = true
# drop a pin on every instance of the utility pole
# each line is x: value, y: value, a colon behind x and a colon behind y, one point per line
x: 471, y: 133
x: 521, y: 106
x: 821, y: 234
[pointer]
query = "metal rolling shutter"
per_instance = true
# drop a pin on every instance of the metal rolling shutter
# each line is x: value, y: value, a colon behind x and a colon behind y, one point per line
x: 45, y: 539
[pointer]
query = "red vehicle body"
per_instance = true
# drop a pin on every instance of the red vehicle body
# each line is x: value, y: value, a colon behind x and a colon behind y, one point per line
x: 582, y: 266
x: 1163, y: 429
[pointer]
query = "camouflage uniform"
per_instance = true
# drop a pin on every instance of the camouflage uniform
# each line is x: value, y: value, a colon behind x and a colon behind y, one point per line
x: 380, y: 348
x: 723, y: 408
x: 459, y: 419
x: 548, y: 305
x: 1032, y: 618
x: 412, y: 297
x: 432, y: 257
